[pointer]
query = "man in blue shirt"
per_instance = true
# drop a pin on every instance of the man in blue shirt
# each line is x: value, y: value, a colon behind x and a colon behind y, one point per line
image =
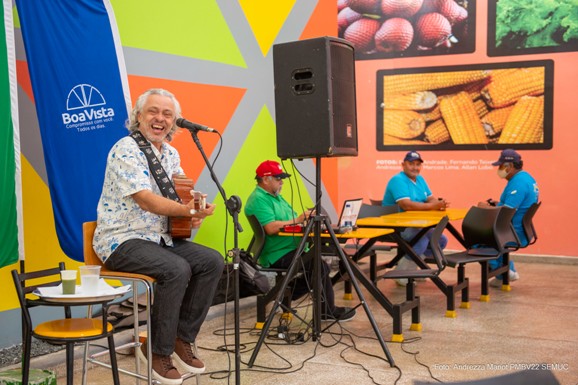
x: 520, y: 193
x: 409, y: 191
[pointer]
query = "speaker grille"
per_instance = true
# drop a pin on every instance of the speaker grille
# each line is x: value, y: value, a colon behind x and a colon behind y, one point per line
x: 315, y: 108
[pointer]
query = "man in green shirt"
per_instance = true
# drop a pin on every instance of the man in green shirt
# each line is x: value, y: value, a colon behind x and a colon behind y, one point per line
x: 274, y: 212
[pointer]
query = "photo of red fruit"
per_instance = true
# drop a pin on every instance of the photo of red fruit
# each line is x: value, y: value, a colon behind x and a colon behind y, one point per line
x: 393, y: 28
x: 395, y: 35
x: 369, y: 7
x: 400, y: 8
x: 346, y: 17
x: 452, y: 11
x: 361, y: 34
x: 432, y: 30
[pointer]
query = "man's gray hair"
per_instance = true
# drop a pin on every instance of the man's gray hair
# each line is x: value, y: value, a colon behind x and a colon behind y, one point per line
x: 132, y: 124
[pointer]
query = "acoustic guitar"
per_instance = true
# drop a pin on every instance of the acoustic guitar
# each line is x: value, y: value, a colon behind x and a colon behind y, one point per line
x: 180, y: 227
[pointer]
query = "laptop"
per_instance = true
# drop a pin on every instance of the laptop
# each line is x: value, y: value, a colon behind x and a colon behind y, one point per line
x: 355, y: 204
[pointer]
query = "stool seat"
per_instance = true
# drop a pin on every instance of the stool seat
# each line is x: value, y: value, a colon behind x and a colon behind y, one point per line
x: 72, y: 328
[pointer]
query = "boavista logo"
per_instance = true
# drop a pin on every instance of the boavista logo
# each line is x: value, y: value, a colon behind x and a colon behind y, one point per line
x: 85, y: 103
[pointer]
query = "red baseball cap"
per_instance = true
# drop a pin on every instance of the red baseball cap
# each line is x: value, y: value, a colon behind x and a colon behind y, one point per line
x: 271, y: 168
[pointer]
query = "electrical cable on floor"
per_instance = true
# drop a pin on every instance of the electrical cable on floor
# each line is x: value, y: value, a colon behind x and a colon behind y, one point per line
x: 353, y: 346
x: 282, y: 332
x: 402, y: 345
x: 414, y: 354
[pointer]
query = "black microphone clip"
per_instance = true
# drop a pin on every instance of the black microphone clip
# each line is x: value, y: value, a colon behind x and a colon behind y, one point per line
x: 193, y: 127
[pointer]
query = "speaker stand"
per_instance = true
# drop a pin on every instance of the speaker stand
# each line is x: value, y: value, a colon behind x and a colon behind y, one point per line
x: 314, y: 227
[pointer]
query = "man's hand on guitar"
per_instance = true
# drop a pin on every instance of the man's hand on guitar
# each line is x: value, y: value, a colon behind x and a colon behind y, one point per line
x: 197, y: 213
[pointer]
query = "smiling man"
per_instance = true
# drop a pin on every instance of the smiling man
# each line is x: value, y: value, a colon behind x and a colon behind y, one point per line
x: 273, y: 212
x: 410, y: 192
x: 132, y: 234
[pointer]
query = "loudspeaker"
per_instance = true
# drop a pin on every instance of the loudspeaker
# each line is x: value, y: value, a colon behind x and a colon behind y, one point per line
x: 315, y: 109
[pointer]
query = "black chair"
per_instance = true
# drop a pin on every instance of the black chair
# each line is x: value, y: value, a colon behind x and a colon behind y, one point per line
x: 412, y: 301
x: 375, y: 202
x: 528, y: 224
x: 488, y: 234
x: 367, y: 211
x: 255, y: 248
x: 67, y: 330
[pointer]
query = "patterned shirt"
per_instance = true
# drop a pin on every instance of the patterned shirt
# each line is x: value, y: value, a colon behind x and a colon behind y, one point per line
x: 119, y: 216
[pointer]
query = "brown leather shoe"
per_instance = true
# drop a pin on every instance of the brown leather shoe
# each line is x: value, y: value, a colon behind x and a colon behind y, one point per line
x: 186, y: 359
x: 163, y: 369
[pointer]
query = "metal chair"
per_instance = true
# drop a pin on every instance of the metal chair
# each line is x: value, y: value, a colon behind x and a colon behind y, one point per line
x: 367, y: 211
x: 375, y: 202
x: 60, y: 331
x: 90, y: 258
x: 255, y: 248
x: 487, y: 231
x: 412, y: 301
x: 528, y: 224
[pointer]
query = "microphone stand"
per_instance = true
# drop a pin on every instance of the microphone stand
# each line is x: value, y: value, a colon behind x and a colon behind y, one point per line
x: 233, y: 205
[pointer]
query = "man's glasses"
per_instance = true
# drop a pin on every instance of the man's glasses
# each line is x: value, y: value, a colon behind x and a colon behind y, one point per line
x: 277, y: 178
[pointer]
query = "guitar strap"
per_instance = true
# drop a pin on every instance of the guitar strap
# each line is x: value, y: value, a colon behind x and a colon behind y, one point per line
x: 156, y: 168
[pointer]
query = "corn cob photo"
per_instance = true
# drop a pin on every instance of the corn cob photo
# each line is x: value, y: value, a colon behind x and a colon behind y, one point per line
x: 409, y: 83
x: 481, y: 107
x: 526, y: 121
x: 461, y: 119
x: 392, y: 140
x: 473, y: 88
x: 421, y: 100
x: 403, y: 124
x: 464, y: 107
x: 431, y: 114
x: 437, y: 132
x: 509, y: 88
x: 495, y: 120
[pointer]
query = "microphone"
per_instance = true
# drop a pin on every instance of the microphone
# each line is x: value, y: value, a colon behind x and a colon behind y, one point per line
x: 193, y: 127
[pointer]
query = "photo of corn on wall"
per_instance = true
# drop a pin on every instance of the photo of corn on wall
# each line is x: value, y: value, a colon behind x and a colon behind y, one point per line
x: 467, y: 107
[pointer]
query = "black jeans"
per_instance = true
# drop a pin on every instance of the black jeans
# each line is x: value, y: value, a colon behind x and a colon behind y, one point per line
x: 187, y: 276
x: 303, y: 284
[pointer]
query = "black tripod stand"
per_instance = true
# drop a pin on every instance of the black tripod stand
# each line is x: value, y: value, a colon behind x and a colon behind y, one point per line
x: 314, y: 227
x: 233, y: 205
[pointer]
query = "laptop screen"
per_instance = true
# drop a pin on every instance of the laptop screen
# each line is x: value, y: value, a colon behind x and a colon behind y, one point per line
x: 355, y: 207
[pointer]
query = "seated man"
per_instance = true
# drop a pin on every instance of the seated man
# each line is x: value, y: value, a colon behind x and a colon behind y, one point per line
x: 520, y: 193
x: 274, y: 212
x: 132, y: 235
x: 409, y: 191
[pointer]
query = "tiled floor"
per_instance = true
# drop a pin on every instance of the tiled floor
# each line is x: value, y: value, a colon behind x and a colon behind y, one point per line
x: 535, y: 324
